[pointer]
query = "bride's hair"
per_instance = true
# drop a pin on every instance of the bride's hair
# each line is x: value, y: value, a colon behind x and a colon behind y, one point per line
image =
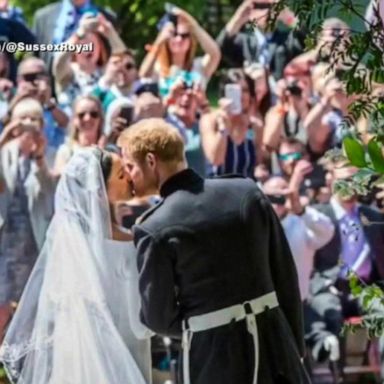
x: 105, y: 160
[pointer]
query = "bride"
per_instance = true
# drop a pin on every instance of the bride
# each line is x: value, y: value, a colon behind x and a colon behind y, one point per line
x: 78, y: 319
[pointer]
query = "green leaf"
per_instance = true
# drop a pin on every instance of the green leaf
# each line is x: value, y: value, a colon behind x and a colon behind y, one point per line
x: 367, y: 301
x: 376, y: 155
x: 355, y: 152
x: 363, y: 176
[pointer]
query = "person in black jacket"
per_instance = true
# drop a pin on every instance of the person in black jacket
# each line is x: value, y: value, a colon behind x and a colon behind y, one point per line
x: 214, y: 267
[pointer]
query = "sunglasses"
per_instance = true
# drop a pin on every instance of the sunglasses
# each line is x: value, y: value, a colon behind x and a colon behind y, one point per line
x: 130, y: 66
x: 277, y: 199
x: 31, y: 77
x: 93, y: 114
x: 262, y: 5
x: 184, y: 36
x: 290, y: 156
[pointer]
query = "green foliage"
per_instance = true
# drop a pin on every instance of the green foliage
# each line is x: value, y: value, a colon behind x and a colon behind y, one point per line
x: 370, y: 161
x: 355, y: 152
x: 376, y: 155
x: 137, y: 19
x: 372, y: 300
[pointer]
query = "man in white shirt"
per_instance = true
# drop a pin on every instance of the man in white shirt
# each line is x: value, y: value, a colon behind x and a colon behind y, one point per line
x: 307, y: 230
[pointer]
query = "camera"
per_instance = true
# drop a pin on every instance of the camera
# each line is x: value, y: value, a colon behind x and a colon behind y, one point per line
x: 294, y: 89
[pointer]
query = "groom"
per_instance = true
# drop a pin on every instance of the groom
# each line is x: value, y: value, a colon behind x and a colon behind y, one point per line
x: 215, y: 267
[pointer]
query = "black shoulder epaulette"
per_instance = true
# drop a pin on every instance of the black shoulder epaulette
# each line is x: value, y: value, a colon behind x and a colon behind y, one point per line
x: 230, y: 176
x: 148, y: 212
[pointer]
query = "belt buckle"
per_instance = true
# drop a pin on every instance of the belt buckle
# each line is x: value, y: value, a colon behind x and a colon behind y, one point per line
x: 247, y: 308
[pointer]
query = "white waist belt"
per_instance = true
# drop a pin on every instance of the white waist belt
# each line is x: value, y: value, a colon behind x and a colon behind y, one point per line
x: 224, y: 316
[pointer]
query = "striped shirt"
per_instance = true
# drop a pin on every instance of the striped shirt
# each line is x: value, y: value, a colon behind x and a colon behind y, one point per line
x: 240, y: 159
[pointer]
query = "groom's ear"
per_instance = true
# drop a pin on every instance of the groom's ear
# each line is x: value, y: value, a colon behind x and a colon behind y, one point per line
x: 150, y: 159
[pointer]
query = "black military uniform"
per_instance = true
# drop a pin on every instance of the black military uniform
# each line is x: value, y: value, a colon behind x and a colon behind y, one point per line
x: 206, y: 249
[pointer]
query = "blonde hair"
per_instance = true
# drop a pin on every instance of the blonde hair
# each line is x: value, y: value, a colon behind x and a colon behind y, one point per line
x: 74, y: 131
x: 155, y: 136
x: 28, y: 105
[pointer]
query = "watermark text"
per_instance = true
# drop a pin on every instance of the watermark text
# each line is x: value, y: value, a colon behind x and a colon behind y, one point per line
x: 11, y: 47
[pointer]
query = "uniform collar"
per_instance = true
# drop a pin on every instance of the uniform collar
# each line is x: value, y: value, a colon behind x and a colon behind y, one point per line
x: 185, y: 180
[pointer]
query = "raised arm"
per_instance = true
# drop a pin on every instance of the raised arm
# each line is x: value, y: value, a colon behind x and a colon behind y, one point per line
x: 148, y: 64
x: 274, y: 121
x: 214, y: 132
x: 211, y: 49
x: 317, y: 131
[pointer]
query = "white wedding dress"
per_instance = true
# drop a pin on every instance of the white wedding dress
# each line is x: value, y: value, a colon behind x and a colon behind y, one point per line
x: 78, y: 319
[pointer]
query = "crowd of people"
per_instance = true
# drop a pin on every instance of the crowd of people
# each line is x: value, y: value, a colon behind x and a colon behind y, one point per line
x: 279, y: 110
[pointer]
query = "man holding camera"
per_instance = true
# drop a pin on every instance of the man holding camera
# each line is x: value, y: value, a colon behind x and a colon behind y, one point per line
x: 242, y: 44
x: 33, y: 81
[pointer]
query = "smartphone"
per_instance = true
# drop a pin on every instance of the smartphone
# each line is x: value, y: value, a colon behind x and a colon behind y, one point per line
x: 93, y: 21
x: 170, y: 16
x: 137, y: 210
x: 232, y: 92
x: 169, y: 7
x: 126, y: 113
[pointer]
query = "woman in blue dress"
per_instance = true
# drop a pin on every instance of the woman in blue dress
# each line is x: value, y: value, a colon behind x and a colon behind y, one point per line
x: 229, y: 137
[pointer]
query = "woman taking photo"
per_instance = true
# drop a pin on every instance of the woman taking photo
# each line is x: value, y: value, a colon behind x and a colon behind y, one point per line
x: 230, y: 138
x: 77, y: 74
x: 174, y: 49
x: 86, y: 129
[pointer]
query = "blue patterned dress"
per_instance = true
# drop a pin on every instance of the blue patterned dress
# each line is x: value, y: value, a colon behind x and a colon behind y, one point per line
x: 18, y: 248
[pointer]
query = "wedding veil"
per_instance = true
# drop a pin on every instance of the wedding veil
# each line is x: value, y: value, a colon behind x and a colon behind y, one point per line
x: 63, y: 330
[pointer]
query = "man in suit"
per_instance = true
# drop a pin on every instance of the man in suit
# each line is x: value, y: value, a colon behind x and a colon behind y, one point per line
x: 214, y: 267
x: 56, y: 22
x: 357, y: 246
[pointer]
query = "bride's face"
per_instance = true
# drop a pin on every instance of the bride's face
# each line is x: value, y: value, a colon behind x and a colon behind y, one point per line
x: 118, y: 183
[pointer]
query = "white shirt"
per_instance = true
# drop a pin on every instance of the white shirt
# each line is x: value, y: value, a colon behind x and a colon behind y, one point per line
x: 306, y: 234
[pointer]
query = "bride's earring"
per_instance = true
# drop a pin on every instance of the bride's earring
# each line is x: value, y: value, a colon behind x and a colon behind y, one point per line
x: 132, y: 187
